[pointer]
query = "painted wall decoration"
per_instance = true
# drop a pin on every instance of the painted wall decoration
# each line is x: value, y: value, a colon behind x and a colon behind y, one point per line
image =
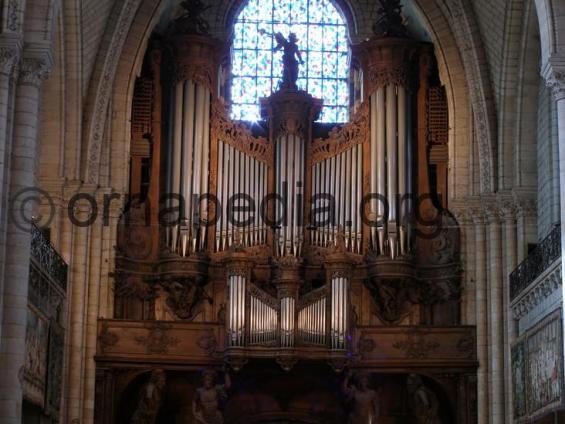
x: 537, y: 371
x: 35, y: 367
x: 544, y: 370
x: 519, y: 378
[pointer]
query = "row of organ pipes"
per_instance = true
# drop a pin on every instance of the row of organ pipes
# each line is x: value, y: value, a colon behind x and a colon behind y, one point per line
x: 188, y: 155
x: 240, y: 173
x: 389, y: 170
x: 339, y: 177
x: 308, y: 323
x: 289, y: 174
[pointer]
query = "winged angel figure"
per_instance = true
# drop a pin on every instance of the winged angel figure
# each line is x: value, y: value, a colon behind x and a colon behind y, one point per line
x: 291, y: 58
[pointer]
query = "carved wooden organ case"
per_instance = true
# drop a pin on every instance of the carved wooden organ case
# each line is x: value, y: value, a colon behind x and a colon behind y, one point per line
x: 285, y: 240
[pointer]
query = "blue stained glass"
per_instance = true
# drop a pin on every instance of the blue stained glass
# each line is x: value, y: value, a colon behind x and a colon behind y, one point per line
x: 249, y: 63
x: 330, y: 38
x: 322, y: 40
x: 263, y: 87
x: 330, y: 91
x: 330, y: 64
x: 264, y: 10
x: 315, y: 37
x: 342, y: 92
x: 237, y: 63
x: 342, y: 114
x: 315, y: 87
x: 281, y: 11
x: 264, y: 63
x: 315, y: 65
x: 342, y: 65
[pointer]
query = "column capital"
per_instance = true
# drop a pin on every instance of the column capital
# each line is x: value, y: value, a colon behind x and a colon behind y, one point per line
x: 554, y: 74
x: 33, y: 71
x: 9, y: 57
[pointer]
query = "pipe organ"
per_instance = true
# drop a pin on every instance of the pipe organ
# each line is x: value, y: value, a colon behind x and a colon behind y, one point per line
x: 282, y: 225
x: 285, y: 240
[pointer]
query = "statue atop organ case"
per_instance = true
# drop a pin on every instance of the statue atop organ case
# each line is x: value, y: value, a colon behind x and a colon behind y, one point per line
x: 306, y: 244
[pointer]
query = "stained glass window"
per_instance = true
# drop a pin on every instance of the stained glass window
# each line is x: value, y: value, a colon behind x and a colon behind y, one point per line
x: 322, y: 40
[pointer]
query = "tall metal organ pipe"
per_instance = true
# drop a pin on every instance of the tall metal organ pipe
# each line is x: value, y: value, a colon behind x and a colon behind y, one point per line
x: 236, y: 311
x: 190, y: 166
x: 391, y: 168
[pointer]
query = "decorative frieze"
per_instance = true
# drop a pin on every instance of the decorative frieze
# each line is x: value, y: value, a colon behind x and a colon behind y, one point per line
x: 33, y: 71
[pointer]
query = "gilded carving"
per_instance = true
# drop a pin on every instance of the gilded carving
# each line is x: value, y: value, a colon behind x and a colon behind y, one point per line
x: 208, y: 342
x: 416, y: 345
x: 106, y: 338
x: 343, y: 138
x: 157, y: 341
x: 223, y: 129
x: 185, y: 297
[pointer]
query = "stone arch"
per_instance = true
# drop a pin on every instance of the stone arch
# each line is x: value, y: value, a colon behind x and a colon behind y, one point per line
x: 226, y: 16
x: 122, y: 52
x: 551, y: 15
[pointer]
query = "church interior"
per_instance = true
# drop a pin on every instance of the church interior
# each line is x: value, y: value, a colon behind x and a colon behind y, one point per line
x: 282, y: 211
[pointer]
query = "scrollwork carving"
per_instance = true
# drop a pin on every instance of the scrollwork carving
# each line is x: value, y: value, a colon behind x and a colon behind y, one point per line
x: 185, y: 297
x: 157, y: 341
x: 343, y: 138
x: 416, y: 345
x: 106, y: 338
x: 223, y: 129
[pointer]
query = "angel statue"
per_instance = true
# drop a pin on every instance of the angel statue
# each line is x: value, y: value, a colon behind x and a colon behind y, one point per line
x: 364, y: 399
x: 206, y: 403
x: 290, y: 56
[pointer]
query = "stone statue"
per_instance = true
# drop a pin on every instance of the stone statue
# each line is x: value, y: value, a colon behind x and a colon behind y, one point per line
x: 364, y: 400
x: 206, y: 402
x: 389, y: 23
x: 290, y: 56
x: 191, y: 22
x: 423, y: 402
x: 150, y: 399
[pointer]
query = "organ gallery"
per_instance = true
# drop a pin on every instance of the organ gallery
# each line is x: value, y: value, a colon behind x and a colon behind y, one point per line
x: 295, y: 270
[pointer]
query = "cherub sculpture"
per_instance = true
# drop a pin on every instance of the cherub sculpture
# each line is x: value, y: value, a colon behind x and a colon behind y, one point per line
x: 291, y: 58
x: 364, y: 400
x: 206, y: 402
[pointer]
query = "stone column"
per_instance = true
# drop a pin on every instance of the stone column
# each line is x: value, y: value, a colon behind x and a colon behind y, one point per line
x: 481, y: 317
x: 33, y: 70
x: 8, y: 60
x: 511, y: 259
x: 495, y: 316
x: 556, y: 81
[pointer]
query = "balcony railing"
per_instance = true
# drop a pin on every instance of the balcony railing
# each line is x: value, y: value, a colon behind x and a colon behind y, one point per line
x: 47, y: 258
x: 545, y: 253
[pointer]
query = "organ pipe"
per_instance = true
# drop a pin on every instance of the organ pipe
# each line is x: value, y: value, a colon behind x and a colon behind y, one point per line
x: 339, y: 311
x: 236, y: 321
x: 190, y: 165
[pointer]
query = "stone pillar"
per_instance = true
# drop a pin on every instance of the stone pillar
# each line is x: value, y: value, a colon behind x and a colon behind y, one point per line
x: 495, y: 316
x: 556, y: 81
x: 510, y: 263
x: 8, y: 60
x: 481, y: 317
x: 33, y: 70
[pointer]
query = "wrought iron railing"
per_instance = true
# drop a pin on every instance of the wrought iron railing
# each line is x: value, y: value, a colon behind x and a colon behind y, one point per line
x: 45, y: 338
x: 536, y: 262
x: 47, y: 258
